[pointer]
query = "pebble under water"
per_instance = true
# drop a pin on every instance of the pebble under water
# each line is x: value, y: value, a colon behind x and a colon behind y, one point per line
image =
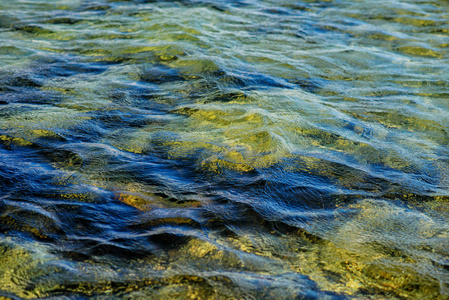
x: 244, y: 149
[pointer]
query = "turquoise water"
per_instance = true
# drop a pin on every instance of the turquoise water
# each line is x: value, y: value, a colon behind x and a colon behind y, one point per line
x: 224, y: 149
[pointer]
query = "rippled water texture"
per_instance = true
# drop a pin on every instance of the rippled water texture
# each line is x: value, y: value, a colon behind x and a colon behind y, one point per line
x: 237, y: 149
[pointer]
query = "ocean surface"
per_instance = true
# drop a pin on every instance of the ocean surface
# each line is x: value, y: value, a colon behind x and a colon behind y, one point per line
x: 242, y: 149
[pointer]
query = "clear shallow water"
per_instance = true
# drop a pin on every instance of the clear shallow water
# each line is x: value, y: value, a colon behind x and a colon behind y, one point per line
x: 224, y: 149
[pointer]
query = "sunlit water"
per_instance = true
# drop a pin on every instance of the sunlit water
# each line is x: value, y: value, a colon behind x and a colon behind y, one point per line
x: 224, y: 149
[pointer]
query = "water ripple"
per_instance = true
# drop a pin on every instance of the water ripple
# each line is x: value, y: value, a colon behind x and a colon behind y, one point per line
x: 216, y: 149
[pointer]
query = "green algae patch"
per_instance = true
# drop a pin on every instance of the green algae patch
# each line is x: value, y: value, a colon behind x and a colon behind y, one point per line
x: 377, y: 265
x: 195, y: 67
x: 365, y: 276
x: 185, y: 148
x: 419, y: 51
x: 217, y: 165
x: 135, y: 141
x: 20, y: 269
x: 200, y: 116
x: 220, y: 158
x: 33, y: 137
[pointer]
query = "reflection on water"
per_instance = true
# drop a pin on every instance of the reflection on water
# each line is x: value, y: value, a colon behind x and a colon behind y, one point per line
x: 224, y: 149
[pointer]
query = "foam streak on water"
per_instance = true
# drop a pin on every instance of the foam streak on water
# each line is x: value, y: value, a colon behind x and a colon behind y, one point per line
x: 239, y: 149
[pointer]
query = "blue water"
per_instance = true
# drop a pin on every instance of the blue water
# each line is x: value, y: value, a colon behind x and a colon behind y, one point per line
x: 224, y: 149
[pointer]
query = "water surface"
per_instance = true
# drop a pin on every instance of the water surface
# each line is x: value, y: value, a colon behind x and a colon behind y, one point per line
x: 224, y: 149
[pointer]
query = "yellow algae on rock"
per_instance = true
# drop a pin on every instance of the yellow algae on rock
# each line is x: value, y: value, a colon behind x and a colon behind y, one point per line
x: 235, y: 157
x: 16, y: 141
x: 361, y: 274
x: 194, y: 66
x: 204, y: 116
x: 415, y: 21
x: 18, y: 268
x: 257, y: 141
x: 143, y: 198
x: 45, y: 133
x: 179, y: 149
x: 217, y: 165
x: 136, y: 201
x: 420, y: 51
x: 203, y: 255
x: 372, y: 247
x: 218, y: 158
x: 199, y: 248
